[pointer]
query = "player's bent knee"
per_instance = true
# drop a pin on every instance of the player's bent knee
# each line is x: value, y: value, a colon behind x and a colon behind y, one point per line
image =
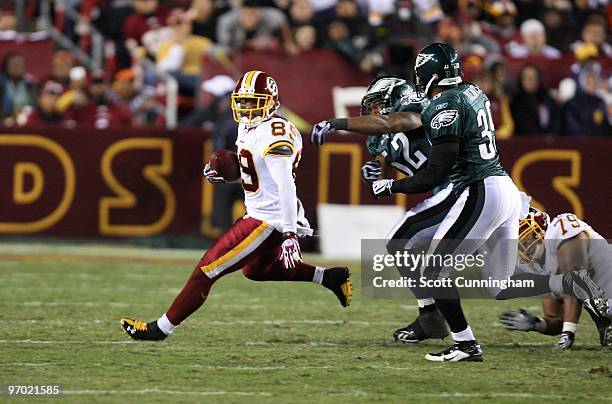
x: 253, y: 275
x: 198, y: 275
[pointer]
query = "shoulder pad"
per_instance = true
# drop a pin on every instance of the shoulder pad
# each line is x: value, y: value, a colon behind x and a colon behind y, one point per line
x: 565, y: 226
x: 279, y: 148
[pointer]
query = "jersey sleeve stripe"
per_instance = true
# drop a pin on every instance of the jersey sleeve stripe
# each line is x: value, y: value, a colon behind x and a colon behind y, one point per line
x: 270, y: 149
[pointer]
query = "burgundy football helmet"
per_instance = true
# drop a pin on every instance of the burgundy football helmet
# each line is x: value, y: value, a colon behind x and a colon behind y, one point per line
x: 255, y: 98
x: 532, y: 230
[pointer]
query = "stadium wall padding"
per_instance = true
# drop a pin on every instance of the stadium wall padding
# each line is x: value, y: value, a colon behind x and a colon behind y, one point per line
x: 137, y: 183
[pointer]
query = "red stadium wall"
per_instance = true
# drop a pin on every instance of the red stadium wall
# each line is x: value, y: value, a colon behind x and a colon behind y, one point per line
x: 115, y: 183
x: 306, y: 82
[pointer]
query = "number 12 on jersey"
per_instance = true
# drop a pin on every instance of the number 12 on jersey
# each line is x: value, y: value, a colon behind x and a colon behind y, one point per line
x: 484, y: 118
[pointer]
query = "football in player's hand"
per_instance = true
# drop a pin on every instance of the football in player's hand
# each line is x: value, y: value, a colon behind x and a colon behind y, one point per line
x: 225, y: 163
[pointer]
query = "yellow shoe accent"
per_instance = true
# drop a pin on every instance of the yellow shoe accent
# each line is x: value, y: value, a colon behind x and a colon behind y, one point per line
x: 135, y: 324
x: 347, y: 290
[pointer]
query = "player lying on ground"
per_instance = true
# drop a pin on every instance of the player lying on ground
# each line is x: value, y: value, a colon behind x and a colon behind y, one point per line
x: 405, y: 151
x: 264, y: 243
x: 565, y: 244
x: 483, y: 208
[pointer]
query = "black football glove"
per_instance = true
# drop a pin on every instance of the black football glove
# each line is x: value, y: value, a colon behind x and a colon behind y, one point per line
x: 520, y: 320
x: 371, y: 171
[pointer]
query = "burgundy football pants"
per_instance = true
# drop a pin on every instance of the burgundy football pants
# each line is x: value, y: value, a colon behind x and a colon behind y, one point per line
x: 249, y: 244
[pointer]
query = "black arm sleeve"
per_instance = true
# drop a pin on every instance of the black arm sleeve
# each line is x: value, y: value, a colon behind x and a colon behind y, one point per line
x: 442, y: 157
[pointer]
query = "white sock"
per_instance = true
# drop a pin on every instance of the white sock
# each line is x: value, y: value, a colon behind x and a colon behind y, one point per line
x: 165, y: 325
x: 425, y: 302
x: 569, y: 326
x: 318, y: 275
x: 465, y: 335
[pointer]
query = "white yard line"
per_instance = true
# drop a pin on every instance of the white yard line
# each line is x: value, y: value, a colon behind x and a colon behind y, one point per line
x: 356, y: 393
x: 63, y: 342
x: 113, y: 251
x: 274, y: 368
x: 29, y: 249
x: 171, y: 392
x: 111, y: 304
x: 266, y: 343
x: 281, y: 322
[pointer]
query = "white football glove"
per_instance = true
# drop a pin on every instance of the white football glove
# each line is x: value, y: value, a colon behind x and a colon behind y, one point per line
x: 212, y: 175
x: 565, y: 341
x: 320, y: 131
x: 520, y: 320
x: 290, y: 251
x: 371, y: 171
x: 381, y: 188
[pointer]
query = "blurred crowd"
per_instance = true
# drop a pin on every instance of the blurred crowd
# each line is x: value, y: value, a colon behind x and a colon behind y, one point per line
x: 377, y: 36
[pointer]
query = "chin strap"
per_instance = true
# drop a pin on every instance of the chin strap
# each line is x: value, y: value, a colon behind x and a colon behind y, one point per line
x: 434, y: 77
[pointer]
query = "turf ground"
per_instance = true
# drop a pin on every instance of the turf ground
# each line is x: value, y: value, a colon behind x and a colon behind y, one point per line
x: 262, y: 342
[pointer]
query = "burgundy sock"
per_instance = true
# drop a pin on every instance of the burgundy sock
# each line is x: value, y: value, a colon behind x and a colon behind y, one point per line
x: 191, y: 297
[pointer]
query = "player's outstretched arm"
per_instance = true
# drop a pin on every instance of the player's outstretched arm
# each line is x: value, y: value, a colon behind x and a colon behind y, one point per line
x: 442, y: 157
x: 367, y: 125
x: 523, y: 320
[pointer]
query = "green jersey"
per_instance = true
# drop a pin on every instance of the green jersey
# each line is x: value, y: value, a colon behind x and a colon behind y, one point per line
x: 405, y: 152
x: 464, y: 112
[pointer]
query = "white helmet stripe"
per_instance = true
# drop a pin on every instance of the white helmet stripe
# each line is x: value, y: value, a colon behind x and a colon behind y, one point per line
x: 242, y: 83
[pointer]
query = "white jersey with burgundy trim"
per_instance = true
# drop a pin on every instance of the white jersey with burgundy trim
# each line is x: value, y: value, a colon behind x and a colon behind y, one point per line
x: 275, y: 138
x: 567, y: 226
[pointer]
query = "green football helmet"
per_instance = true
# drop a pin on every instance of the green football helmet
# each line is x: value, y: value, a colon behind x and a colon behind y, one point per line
x: 436, y: 64
x: 385, y: 92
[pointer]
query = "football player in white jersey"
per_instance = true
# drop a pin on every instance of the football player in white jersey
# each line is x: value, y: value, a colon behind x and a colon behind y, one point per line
x: 564, y: 244
x: 264, y: 243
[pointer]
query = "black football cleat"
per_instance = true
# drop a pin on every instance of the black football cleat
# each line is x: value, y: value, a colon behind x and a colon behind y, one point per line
x: 426, y: 326
x: 411, y: 334
x: 580, y: 286
x: 338, y: 280
x: 139, y: 330
x: 462, y: 351
x: 598, y: 310
x: 605, y: 335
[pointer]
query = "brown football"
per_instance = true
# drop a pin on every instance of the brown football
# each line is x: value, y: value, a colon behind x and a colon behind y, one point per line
x: 225, y: 162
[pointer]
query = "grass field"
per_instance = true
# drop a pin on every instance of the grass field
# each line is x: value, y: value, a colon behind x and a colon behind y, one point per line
x: 260, y: 342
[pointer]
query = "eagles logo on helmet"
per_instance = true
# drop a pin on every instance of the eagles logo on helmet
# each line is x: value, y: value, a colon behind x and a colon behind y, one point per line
x: 255, y: 98
x: 436, y: 64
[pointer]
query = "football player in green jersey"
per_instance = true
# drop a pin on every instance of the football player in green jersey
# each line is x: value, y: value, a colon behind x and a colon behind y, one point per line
x: 407, y: 153
x: 481, y: 212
